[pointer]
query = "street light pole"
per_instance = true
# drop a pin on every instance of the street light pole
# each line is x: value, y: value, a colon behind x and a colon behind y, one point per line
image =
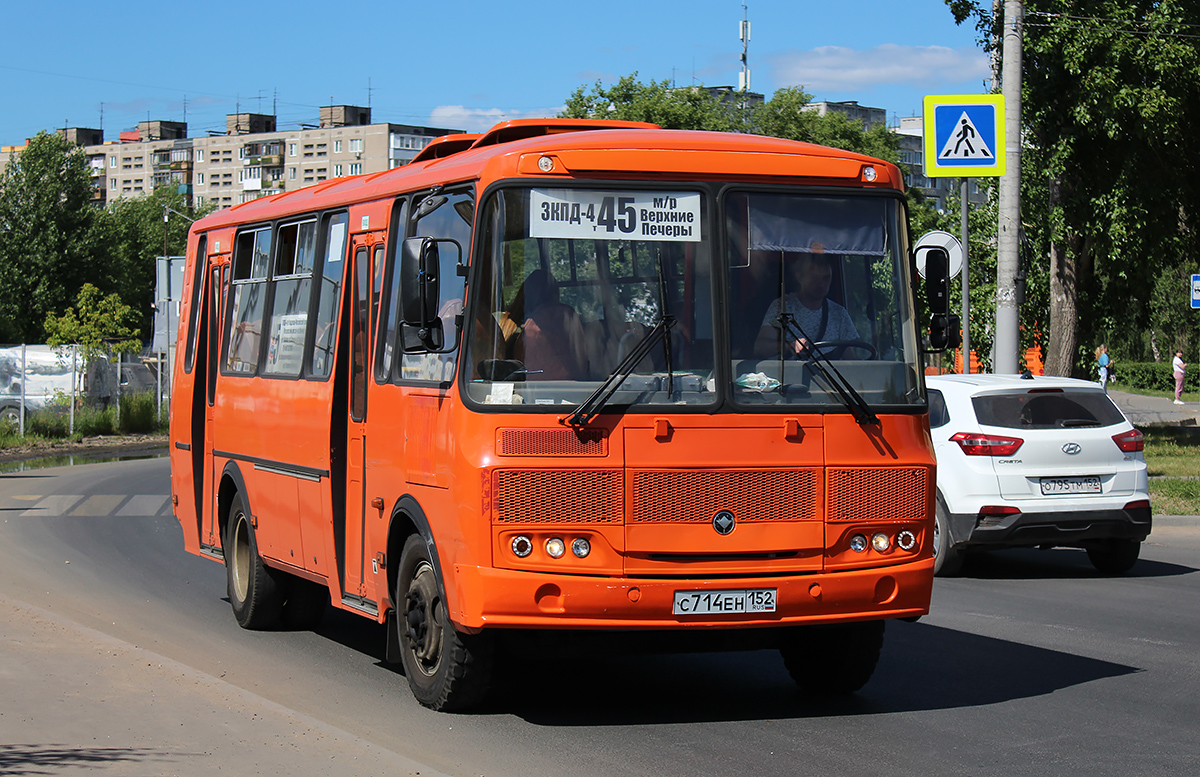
x: 1008, y: 242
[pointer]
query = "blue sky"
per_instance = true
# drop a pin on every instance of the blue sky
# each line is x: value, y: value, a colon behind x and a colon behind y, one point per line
x: 463, y: 64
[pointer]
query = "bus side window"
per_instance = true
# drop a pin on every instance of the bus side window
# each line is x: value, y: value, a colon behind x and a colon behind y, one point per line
x: 328, y: 296
x: 199, y: 263
x: 292, y: 281
x: 452, y: 220
x: 251, y: 258
x: 388, y: 298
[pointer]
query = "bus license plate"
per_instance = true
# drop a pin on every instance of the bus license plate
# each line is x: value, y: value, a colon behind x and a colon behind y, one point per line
x: 1080, y: 485
x: 720, y: 602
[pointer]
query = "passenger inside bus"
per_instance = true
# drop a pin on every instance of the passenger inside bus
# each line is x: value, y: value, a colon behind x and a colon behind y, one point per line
x: 817, y: 316
x: 551, y: 342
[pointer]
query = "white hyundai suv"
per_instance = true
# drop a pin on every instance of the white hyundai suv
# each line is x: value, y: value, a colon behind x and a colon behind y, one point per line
x: 1035, y: 462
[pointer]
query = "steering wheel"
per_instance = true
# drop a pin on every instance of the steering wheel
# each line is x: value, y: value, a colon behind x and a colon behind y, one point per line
x: 843, y: 345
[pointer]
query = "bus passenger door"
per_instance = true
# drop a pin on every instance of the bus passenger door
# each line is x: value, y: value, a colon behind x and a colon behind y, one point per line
x: 354, y: 590
x: 210, y: 529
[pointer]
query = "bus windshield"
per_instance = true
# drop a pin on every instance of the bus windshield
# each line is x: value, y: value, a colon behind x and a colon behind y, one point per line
x: 573, y: 280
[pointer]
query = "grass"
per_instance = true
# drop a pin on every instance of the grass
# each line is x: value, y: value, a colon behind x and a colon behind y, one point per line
x: 1173, y: 461
x: 138, y: 416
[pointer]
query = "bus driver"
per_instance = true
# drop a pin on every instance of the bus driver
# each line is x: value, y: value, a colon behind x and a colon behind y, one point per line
x: 820, y: 318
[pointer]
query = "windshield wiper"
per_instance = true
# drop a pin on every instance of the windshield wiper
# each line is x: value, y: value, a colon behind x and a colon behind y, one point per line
x: 591, y: 407
x: 853, y: 401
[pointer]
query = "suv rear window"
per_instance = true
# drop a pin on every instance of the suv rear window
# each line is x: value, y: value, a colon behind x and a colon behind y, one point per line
x: 1047, y: 410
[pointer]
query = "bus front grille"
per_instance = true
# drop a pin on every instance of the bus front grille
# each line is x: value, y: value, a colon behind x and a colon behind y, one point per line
x: 695, y: 496
x: 558, y: 496
x: 878, y: 494
x: 551, y: 442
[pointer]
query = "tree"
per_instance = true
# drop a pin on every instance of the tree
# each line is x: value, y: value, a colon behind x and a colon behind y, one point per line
x: 134, y: 230
x: 698, y: 108
x: 688, y: 107
x: 49, y: 244
x: 1110, y: 96
x: 98, y: 324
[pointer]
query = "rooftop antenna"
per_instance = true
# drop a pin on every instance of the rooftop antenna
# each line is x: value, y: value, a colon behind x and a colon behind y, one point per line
x: 369, y: 90
x: 744, y: 36
x: 102, y: 121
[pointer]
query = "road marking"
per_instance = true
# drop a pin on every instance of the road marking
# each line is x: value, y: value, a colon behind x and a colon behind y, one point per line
x: 99, y: 505
x: 143, y: 504
x: 53, y: 506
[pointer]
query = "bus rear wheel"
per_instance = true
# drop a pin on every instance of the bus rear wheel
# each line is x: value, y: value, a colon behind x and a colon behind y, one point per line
x: 254, y: 590
x: 446, y: 670
x: 835, y: 659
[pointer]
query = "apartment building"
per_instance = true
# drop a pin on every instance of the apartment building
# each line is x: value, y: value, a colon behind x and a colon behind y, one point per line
x: 252, y: 159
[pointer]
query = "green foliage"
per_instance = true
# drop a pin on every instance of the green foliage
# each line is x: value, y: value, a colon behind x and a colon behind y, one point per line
x: 1154, y: 376
x: 49, y: 241
x: 97, y: 324
x: 696, y: 108
x: 656, y: 102
x: 139, y: 414
x: 1110, y: 97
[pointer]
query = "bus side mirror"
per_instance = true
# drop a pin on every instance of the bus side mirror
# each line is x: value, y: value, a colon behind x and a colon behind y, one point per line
x: 937, y: 281
x: 944, y: 333
x: 421, y: 329
x: 943, y: 328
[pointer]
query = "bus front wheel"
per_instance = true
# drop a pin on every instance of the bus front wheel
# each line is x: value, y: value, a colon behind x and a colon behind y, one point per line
x: 833, y: 659
x: 254, y: 592
x: 446, y: 670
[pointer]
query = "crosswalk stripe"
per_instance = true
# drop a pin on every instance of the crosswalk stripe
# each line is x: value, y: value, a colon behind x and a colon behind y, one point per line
x: 52, y: 506
x: 143, y: 504
x: 99, y: 505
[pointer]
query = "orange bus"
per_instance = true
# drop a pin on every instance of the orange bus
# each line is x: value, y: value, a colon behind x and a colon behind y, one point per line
x: 568, y: 376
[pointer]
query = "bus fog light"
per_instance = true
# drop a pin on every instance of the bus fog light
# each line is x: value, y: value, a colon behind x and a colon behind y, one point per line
x: 881, y: 542
x: 521, y: 546
x: 555, y: 547
x: 858, y: 543
x: 581, y: 547
x: 906, y: 540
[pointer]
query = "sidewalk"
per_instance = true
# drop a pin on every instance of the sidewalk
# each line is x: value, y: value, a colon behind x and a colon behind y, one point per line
x: 1142, y: 410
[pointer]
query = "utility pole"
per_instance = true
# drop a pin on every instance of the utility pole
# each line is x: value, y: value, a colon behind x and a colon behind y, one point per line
x: 1008, y: 243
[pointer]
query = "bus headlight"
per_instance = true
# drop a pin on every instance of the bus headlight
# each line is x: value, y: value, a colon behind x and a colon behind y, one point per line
x: 906, y: 540
x: 881, y: 542
x: 581, y: 547
x: 521, y: 546
x: 555, y: 547
x: 858, y: 543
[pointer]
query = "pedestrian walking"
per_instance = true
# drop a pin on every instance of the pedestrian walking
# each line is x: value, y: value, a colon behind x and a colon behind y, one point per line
x: 1103, y: 360
x: 1178, y: 367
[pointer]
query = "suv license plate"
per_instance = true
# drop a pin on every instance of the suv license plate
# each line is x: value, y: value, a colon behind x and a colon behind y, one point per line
x: 1080, y: 485
x: 719, y: 602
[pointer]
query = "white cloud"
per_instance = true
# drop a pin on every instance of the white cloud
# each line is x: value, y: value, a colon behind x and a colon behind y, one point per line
x: 841, y: 69
x: 482, y: 119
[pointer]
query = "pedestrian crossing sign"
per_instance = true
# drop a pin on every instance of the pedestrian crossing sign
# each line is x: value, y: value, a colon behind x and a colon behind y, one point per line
x: 964, y: 135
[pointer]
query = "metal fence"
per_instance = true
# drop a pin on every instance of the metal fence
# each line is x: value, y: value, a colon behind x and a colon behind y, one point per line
x: 36, y: 377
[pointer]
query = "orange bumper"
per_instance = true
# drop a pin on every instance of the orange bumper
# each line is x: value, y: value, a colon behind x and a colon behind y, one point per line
x: 501, y: 598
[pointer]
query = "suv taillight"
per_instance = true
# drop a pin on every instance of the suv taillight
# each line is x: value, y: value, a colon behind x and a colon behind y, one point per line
x: 975, y: 444
x: 1131, y: 441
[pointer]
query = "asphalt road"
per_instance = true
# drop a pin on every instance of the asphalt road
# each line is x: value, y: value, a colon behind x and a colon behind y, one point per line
x: 118, y: 654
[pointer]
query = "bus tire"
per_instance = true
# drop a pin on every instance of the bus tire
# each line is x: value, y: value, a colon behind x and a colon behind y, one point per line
x: 1114, y: 556
x: 835, y: 659
x: 255, y: 590
x: 947, y: 560
x: 446, y: 670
